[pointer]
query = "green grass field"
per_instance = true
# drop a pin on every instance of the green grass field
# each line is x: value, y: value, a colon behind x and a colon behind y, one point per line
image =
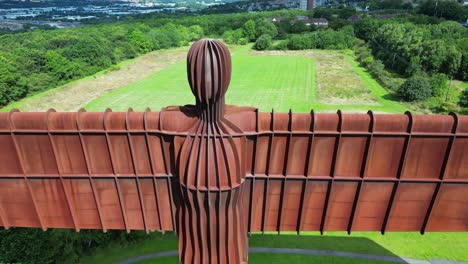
x: 300, y: 81
x: 451, y: 246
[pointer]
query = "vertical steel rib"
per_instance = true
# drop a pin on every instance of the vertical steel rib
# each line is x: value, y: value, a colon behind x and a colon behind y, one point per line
x: 442, y: 172
x: 59, y: 169
x: 152, y: 166
x: 252, y: 186
x: 362, y: 172
x: 166, y: 168
x: 401, y: 168
x: 267, y: 171
x: 306, y: 172
x: 135, y: 171
x: 25, y: 177
x: 88, y: 169
x: 285, y: 170
x: 117, y: 185
x: 332, y: 173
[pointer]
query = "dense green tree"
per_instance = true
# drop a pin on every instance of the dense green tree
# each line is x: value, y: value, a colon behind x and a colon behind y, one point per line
x: 451, y: 65
x: 415, y: 88
x: 95, y: 51
x: 228, y: 37
x: 195, y: 32
x: 451, y: 10
x: 140, y: 41
x: 463, y: 99
x: 250, y: 30
x: 439, y: 85
x: 9, y: 88
x: 300, y: 42
x: 434, y: 54
x: 299, y: 27
x: 61, y: 68
x: 366, y: 28
x: 463, y: 70
x: 263, y: 27
x: 263, y: 42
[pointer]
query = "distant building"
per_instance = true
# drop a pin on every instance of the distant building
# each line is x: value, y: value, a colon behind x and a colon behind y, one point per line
x: 275, y: 19
x: 303, y: 4
x: 317, y: 22
x: 309, y: 4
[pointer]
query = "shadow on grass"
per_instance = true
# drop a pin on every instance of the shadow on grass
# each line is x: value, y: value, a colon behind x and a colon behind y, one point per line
x: 316, y: 241
x: 392, y: 97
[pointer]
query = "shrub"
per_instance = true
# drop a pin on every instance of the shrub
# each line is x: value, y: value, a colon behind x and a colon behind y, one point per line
x: 242, y: 41
x: 282, y: 45
x: 228, y: 37
x: 300, y: 42
x: 58, y: 245
x: 416, y: 88
x: 439, y: 84
x: 463, y: 99
x: 263, y: 42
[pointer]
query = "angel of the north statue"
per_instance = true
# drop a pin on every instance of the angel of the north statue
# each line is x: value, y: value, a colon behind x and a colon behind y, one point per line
x: 214, y: 173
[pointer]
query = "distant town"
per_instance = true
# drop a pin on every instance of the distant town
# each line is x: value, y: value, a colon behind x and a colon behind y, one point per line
x: 24, y: 14
x: 32, y: 14
x: 16, y: 15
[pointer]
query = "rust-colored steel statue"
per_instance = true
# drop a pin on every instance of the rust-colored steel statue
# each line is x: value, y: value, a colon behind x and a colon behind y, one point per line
x: 211, y: 166
x: 214, y: 173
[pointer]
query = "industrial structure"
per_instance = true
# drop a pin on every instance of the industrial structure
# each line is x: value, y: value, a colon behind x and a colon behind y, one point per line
x: 214, y: 172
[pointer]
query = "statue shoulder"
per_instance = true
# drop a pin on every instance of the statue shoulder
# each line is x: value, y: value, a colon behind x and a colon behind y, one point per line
x: 243, y: 117
x: 178, y: 118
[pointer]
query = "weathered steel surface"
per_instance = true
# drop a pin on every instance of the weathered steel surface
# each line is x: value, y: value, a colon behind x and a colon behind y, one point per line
x: 214, y: 172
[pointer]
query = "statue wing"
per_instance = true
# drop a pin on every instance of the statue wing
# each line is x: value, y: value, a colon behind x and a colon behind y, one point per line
x: 356, y: 172
x: 85, y: 171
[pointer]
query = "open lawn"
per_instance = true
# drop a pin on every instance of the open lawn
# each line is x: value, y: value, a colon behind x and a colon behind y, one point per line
x: 451, y: 246
x: 319, y: 80
x: 300, y: 80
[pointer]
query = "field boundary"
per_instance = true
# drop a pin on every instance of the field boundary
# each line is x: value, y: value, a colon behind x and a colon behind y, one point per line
x: 307, y: 252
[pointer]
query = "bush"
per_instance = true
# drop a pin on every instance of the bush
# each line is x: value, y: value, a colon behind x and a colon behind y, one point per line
x: 31, y: 245
x: 263, y: 42
x: 447, y: 107
x: 300, y: 42
x: 439, y: 85
x: 416, y: 88
x: 282, y: 45
x: 463, y: 99
x: 242, y: 41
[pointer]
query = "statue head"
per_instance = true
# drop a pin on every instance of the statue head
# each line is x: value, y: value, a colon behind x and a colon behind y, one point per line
x: 209, y: 70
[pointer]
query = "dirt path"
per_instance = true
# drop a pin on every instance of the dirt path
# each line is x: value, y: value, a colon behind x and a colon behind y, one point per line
x: 73, y: 96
